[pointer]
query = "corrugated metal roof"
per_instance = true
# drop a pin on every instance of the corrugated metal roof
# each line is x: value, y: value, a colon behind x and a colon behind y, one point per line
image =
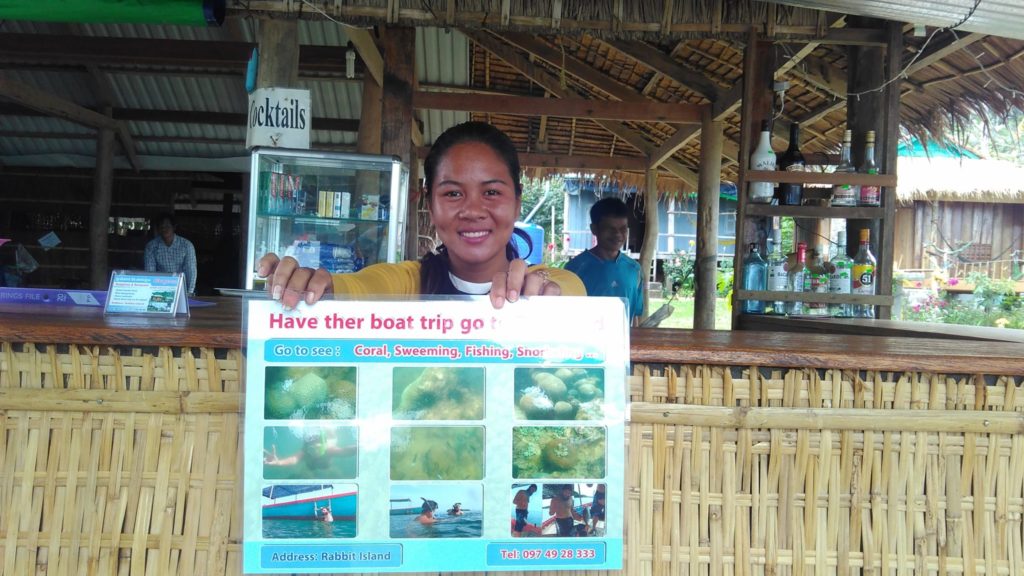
x: 442, y: 57
x: 996, y: 17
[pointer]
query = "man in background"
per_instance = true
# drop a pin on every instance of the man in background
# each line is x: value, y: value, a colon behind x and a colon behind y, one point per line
x: 169, y: 252
x: 604, y: 269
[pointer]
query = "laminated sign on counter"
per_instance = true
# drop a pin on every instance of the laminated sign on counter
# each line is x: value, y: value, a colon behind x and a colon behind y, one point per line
x: 437, y: 435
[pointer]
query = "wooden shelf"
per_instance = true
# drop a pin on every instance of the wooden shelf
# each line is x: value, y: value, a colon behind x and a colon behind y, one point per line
x: 815, y: 297
x: 865, y: 212
x: 781, y: 176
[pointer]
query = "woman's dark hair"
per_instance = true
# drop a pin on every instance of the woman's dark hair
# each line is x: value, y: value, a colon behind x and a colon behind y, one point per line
x: 434, y: 267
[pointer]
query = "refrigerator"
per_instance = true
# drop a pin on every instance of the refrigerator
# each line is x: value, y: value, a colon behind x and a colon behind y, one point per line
x: 338, y: 211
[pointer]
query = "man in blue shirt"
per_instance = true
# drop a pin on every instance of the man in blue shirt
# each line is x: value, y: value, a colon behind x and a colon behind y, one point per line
x: 604, y: 270
x: 169, y: 252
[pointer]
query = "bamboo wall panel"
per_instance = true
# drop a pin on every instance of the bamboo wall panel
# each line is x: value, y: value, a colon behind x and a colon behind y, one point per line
x: 802, y: 471
x: 128, y: 461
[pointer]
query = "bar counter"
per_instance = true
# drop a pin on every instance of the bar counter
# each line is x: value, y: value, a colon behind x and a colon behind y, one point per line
x: 748, y: 452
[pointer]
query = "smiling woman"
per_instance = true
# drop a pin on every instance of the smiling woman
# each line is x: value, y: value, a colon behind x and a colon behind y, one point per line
x: 474, y: 193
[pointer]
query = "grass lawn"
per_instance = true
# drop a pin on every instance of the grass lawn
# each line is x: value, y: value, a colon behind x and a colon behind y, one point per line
x: 682, y: 313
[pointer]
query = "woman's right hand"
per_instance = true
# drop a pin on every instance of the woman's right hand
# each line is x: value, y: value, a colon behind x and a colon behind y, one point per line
x: 288, y: 283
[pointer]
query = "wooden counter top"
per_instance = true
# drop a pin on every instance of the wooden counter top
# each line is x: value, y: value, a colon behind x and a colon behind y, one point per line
x: 747, y: 348
x: 217, y: 326
x: 220, y: 326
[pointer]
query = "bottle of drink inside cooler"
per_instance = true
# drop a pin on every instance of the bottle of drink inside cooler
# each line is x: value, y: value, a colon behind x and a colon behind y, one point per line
x: 763, y: 158
x: 846, y: 194
x: 816, y: 281
x: 778, y: 275
x: 792, y: 160
x: 864, y: 275
x: 755, y: 277
x: 870, y: 194
x: 839, y: 276
x: 796, y: 277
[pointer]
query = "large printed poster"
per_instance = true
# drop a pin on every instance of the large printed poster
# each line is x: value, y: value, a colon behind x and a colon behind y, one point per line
x: 435, y: 435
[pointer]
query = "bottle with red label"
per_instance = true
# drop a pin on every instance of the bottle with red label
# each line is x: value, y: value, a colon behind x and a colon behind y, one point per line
x: 870, y: 194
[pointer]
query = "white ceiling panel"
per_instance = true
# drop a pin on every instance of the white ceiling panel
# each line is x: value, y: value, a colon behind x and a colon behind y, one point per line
x: 995, y: 17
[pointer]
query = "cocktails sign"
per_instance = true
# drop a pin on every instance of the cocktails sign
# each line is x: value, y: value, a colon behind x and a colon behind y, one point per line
x: 279, y: 118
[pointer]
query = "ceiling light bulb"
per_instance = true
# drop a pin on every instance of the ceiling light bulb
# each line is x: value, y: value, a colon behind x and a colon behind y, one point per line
x: 350, y: 63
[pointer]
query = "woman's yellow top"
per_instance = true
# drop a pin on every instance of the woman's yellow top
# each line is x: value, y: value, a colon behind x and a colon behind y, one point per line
x: 403, y: 279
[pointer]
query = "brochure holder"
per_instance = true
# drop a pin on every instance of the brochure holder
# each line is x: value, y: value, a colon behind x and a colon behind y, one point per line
x: 146, y: 293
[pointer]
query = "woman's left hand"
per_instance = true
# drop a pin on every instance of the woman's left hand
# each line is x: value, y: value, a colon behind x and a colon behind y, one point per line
x: 519, y: 281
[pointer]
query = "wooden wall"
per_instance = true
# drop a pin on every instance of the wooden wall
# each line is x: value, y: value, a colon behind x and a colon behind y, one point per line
x: 1000, y: 226
x: 33, y: 205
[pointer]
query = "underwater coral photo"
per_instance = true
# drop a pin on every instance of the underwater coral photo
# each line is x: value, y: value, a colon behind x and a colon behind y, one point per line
x: 551, y: 393
x: 310, y: 393
x: 558, y: 452
x: 437, y: 453
x: 438, y: 393
x: 308, y: 452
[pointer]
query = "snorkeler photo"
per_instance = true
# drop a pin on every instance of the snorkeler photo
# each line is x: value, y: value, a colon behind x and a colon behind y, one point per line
x: 309, y: 510
x: 550, y: 393
x: 310, y: 393
x: 438, y: 393
x: 437, y: 453
x: 309, y: 452
x: 436, y: 510
x: 558, y: 452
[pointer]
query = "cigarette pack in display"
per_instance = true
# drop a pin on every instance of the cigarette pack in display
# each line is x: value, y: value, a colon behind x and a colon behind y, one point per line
x: 337, y: 204
x: 329, y: 204
x: 368, y: 211
x: 346, y: 204
x: 321, y: 203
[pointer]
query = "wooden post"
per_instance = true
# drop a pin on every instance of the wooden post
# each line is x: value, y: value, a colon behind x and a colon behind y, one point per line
x: 866, y: 73
x: 99, y: 213
x: 370, y: 126
x: 278, y: 42
x: 649, y: 248
x: 758, y: 73
x: 399, y: 52
x: 707, y: 223
x: 888, y: 140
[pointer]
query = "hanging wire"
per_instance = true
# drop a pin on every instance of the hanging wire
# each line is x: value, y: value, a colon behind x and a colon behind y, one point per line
x: 903, y: 73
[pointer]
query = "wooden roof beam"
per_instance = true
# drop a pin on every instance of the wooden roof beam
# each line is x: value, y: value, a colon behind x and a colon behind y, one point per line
x: 637, y: 111
x: 665, y: 64
x: 570, y: 161
x: 31, y: 97
x: 185, y: 117
x: 936, y: 52
x: 105, y: 90
x: 551, y: 83
x: 109, y: 51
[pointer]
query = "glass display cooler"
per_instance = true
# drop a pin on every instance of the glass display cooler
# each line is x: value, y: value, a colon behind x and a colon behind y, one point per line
x: 338, y: 211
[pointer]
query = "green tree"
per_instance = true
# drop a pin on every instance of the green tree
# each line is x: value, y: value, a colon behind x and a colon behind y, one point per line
x: 534, y: 190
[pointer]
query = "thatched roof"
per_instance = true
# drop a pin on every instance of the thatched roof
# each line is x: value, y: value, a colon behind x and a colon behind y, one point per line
x: 618, y: 50
x: 959, y: 180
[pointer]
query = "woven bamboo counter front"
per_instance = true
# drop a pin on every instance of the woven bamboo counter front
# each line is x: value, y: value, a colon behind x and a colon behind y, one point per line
x: 748, y: 453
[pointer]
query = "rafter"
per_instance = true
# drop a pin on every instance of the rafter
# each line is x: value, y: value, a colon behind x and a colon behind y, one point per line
x: 551, y: 83
x: 640, y: 111
x: 936, y: 52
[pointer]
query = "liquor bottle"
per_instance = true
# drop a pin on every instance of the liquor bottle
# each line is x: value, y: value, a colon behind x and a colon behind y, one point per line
x: 763, y: 158
x: 839, y: 276
x: 816, y: 281
x: 863, y: 275
x: 846, y: 194
x: 792, y: 161
x: 755, y: 277
x: 870, y: 194
x: 796, y: 277
x: 778, y: 275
